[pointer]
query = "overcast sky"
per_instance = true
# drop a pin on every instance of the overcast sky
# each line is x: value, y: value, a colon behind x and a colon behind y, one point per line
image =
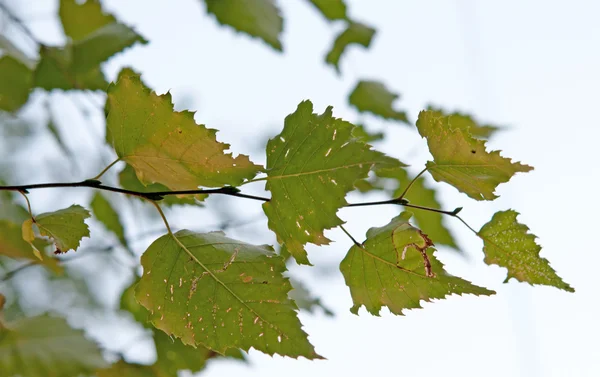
x: 532, y: 66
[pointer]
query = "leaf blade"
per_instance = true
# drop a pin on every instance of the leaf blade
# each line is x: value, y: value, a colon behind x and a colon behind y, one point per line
x: 107, y: 215
x: 355, y: 34
x: 463, y: 161
x: 66, y: 227
x: 165, y: 146
x: 508, y: 243
x: 311, y: 166
x: 47, y: 346
x: 258, y: 18
x: 374, y: 97
x: 243, y: 282
x: 396, y: 268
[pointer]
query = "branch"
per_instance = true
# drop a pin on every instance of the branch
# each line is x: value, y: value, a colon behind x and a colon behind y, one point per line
x: 11, y: 16
x: 155, y: 195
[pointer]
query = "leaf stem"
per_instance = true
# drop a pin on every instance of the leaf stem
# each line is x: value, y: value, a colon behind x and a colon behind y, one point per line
x: 105, y: 170
x: 350, y: 236
x: 28, y: 204
x: 411, y: 183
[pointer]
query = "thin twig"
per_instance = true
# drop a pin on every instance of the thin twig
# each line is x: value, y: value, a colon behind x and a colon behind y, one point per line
x: 411, y: 183
x: 350, y: 236
x: 106, y: 169
x: 11, y: 16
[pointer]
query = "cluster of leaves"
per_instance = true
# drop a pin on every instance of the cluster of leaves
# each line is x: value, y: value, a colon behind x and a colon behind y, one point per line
x: 203, y: 294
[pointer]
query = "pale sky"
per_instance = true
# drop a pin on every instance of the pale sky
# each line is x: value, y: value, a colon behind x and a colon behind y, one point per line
x: 532, y: 66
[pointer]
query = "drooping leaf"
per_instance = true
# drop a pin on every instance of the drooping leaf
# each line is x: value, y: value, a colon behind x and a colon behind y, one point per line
x: 107, y: 215
x: 305, y: 299
x: 221, y: 293
x: 56, y: 71
x: 355, y: 33
x: 395, y: 267
x: 15, y: 83
x: 66, y: 227
x: 11, y: 211
x: 462, y: 161
x: 129, y: 303
x: 257, y: 18
x: 124, y: 369
x: 360, y: 132
x: 95, y: 37
x: 467, y: 123
x: 374, y: 97
x: 167, y: 146
x: 507, y: 243
x: 81, y: 18
x: 331, y: 9
x: 14, y: 246
x: 432, y: 223
x: 46, y: 346
x: 172, y: 355
x: 128, y: 180
x: 2, y: 302
x: 311, y: 166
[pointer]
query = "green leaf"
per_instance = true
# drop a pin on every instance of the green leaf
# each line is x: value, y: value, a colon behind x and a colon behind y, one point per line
x: 14, y: 246
x: 106, y: 214
x: 16, y: 80
x: 95, y: 37
x: 331, y: 9
x: 56, y: 70
x: 129, y: 181
x: 507, y: 243
x: 374, y: 97
x: 462, y: 161
x: 46, y: 346
x: 167, y: 146
x: 173, y: 355
x: 221, y: 293
x: 257, y: 18
x: 395, y: 267
x: 305, y: 300
x: 124, y: 369
x: 79, y: 19
x: 311, y: 166
x: 355, y: 33
x: 361, y: 133
x: 11, y: 211
x: 432, y: 223
x: 467, y: 123
x: 66, y: 227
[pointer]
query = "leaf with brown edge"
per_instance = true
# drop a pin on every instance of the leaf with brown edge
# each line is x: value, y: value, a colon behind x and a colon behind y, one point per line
x: 462, y: 160
x: 395, y: 267
x: 221, y: 293
x: 508, y: 243
x: 311, y: 166
x: 66, y: 227
x: 432, y: 223
x: 14, y: 246
x: 167, y: 146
